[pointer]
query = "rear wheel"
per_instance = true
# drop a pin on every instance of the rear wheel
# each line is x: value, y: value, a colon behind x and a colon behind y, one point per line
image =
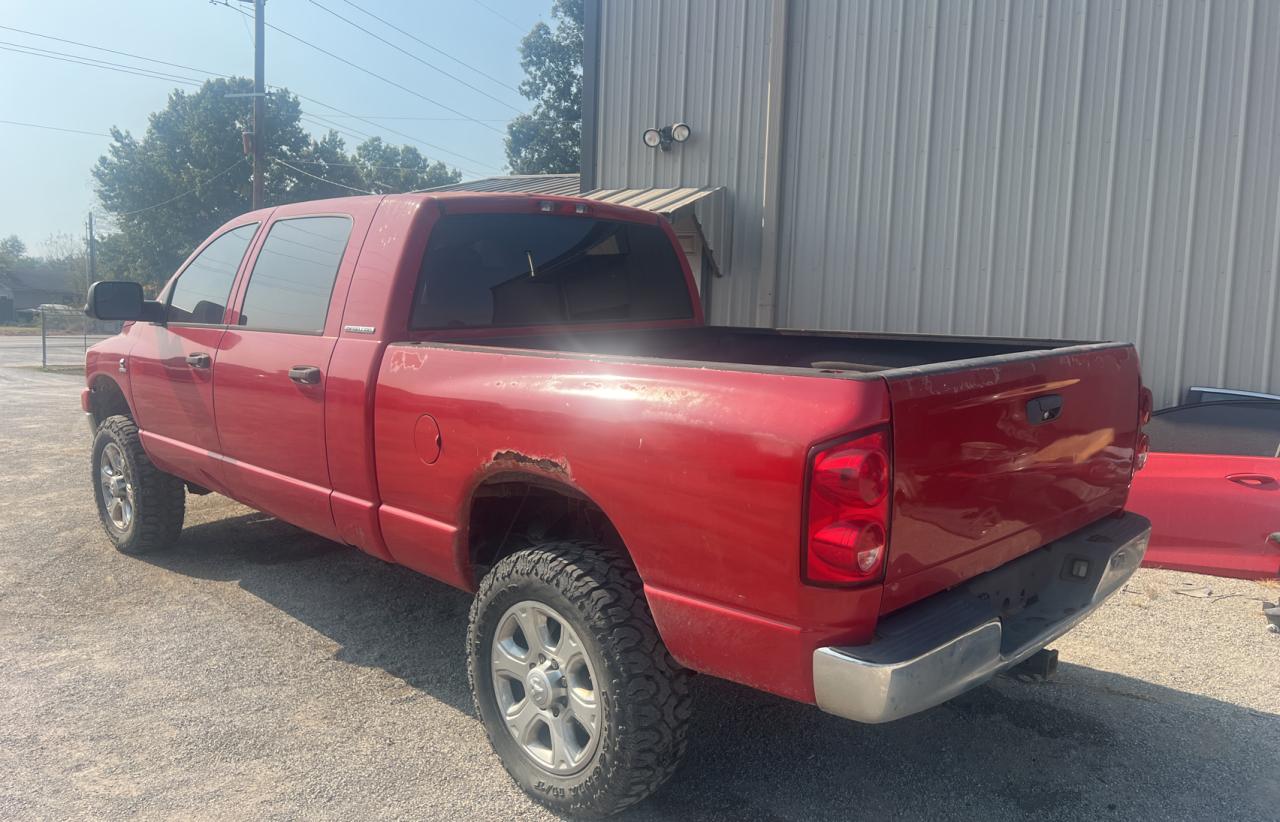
x: 140, y: 506
x: 577, y: 693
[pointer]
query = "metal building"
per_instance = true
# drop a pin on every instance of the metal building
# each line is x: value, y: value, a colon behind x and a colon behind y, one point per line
x: 1082, y: 169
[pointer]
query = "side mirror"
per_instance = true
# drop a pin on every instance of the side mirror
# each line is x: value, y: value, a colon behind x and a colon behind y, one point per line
x: 119, y: 300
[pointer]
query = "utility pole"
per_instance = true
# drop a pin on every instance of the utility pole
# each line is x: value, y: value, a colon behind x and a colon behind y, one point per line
x: 256, y: 141
x: 93, y: 256
x: 259, y: 104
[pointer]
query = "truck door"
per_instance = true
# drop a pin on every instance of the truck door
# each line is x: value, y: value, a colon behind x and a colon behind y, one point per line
x: 170, y: 366
x: 272, y: 368
x: 1211, y: 488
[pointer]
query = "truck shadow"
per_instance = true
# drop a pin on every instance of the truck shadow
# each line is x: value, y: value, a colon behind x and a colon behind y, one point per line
x: 1086, y: 744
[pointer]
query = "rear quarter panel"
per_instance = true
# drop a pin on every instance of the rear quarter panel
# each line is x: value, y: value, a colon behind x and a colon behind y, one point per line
x: 700, y: 470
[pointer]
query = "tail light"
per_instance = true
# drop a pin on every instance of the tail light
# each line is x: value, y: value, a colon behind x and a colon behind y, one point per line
x: 1146, y: 402
x: 847, y: 513
x: 1140, y: 456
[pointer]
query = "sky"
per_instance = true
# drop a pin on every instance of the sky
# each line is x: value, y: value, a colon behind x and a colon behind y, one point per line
x: 45, y: 174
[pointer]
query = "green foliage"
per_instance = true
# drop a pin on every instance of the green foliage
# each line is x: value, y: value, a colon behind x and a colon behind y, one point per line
x: 188, y: 174
x: 69, y: 255
x: 548, y: 140
x: 12, y: 248
x: 389, y: 168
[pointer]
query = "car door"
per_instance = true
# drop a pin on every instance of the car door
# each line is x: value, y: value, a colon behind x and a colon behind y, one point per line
x: 270, y: 376
x: 170, y: 364
x: 1211, y: 488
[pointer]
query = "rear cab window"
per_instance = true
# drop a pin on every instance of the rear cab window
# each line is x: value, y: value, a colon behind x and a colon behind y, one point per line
x: 291, y: 285
x: 512, y: 270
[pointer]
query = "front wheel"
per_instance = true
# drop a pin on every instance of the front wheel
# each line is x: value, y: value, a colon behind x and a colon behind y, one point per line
x: 579, y: 697
x: 140, y: 506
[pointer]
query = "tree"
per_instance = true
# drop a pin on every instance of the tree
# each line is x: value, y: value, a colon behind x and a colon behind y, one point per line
x: 68, y: 253
x: 188, y: 174
x: 12, y: 252
x: 390, y: 168
x: 548, y: 140
x: 192, y: 145
x: 326, y: 158
x: 12, y: 248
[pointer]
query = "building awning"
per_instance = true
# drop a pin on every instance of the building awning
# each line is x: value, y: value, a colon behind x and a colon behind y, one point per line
x: 668, y: 201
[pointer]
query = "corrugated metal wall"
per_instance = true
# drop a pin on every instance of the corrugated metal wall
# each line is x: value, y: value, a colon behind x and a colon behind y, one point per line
x: 1088, y: 169
x: 700, y: 62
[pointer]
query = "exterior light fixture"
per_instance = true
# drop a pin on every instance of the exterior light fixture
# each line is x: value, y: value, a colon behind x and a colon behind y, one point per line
x: 663, y: 137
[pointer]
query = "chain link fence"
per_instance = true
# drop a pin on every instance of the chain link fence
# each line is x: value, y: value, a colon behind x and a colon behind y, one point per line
x: 66, y: 333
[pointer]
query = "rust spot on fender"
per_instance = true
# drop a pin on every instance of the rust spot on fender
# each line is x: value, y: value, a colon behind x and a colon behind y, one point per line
x: 550, y: 465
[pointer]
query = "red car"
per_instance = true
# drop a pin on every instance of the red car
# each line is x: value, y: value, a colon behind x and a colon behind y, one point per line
x: 1211, y: 488
x: 518, y: 395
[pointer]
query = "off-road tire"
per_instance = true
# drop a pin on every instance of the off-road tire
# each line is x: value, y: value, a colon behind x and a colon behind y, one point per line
x: 159, y: 499
x: 643, y: 693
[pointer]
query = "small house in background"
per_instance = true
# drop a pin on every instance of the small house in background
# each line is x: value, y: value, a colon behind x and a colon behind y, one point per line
x: 6, y: 304
x: 33, y: 284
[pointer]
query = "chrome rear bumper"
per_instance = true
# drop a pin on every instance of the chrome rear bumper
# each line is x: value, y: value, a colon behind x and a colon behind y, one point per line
x: 942, y: 646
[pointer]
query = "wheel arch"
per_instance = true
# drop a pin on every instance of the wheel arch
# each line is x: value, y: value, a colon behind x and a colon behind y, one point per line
x: 510, y: 509
x: 107, y: 399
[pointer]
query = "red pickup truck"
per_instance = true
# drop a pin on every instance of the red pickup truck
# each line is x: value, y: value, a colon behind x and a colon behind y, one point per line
x: 518, y: 395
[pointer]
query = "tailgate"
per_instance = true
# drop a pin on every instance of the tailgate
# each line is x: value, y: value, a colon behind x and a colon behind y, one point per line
x: 997, y: 456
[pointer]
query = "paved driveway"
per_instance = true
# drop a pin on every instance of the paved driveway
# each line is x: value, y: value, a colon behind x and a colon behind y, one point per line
x: 259, y: 672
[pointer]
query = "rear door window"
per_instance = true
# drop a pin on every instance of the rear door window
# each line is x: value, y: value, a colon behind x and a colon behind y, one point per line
x: 200, y: 295
x: 491, y: 270
x: 292, y: 280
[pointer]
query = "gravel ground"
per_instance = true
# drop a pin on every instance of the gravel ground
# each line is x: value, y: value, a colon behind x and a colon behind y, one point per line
x: 258, y: 672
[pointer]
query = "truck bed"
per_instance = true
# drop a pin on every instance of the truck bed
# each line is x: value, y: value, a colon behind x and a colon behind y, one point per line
x: 770, y: 348
x: 999, y: 445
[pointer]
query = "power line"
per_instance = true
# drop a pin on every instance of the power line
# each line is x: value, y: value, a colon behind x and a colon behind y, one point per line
x: 198, y: 186
x: 111, y: 51
x: 355, y: 165
x: 420, y: 41
x: 413, y: 56
x: 390, y: 130
x: 498, y: 14
x: 94, y: 63
x: 313, y: 120
x: 321, y: 179
x: 371, y: 73
x: 55, y: 128
x: 449, y: 119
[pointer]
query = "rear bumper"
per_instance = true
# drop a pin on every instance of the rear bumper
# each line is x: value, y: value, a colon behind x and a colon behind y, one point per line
x: 946, y: 644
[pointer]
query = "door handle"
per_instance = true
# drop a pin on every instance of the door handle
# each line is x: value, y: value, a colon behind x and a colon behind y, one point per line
x: 1274, y: 539
x: 305, y: 374
x: 1252, y: 480
x: 199, y: 360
